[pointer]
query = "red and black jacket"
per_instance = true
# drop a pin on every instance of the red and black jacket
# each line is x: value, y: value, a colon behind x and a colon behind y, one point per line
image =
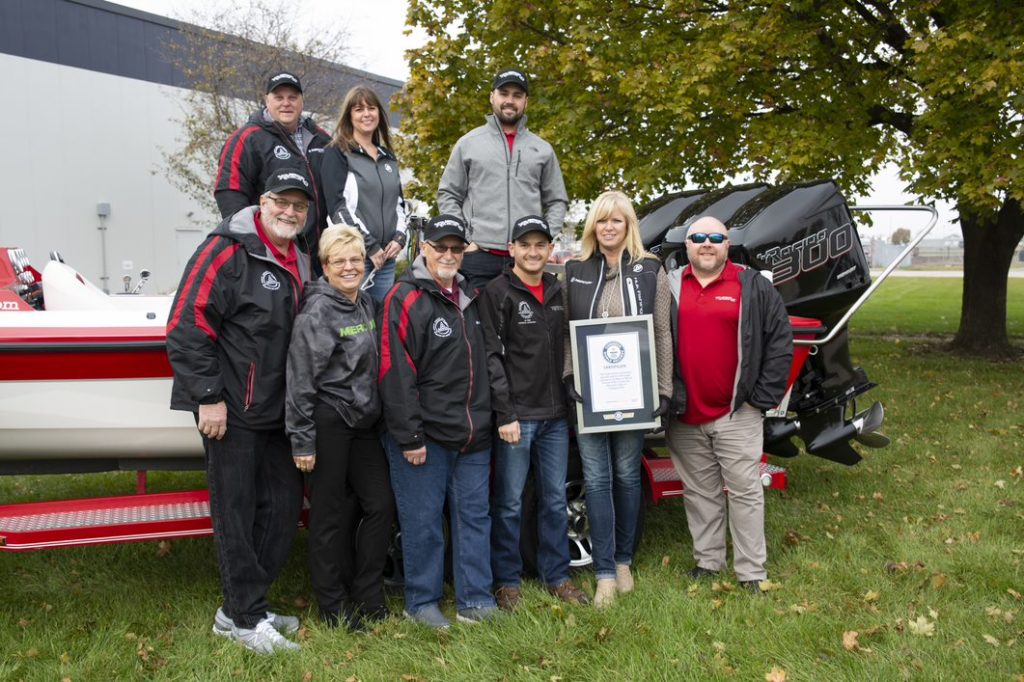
x: 230, y: 324
x: 433, y: 366
x: 262, y: 147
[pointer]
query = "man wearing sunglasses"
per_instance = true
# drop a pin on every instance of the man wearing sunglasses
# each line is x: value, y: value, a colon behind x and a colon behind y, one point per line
x: 227, y: 341
x: 434, y: 386
x: 733, y: 346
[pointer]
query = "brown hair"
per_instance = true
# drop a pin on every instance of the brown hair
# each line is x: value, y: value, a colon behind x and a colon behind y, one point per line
x: 344, y: 136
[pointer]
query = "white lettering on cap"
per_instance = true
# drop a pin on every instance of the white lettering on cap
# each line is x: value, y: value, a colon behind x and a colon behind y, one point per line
x: 532, y: 221
x: 448, y: 223
x: 293, y: 176
x: 282, y: 75
x: 506, y: 74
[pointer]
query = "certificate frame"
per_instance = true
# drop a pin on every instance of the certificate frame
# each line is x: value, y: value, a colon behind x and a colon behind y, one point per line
x: 619, y: 391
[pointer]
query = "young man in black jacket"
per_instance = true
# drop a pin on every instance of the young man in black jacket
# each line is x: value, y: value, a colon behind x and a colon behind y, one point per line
x: 523, y: 320
x: 227, y: 341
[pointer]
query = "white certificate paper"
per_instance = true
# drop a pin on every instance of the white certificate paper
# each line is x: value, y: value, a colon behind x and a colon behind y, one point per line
x: 616, y: 377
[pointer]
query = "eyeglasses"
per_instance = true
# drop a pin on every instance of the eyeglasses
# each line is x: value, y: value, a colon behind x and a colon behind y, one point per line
x: 441, y: 248
x: 342, y: 262
x: 713, y: 237
x: 297, y: 206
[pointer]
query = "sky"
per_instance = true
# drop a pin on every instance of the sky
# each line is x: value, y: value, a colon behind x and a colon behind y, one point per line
x: 376, y: 30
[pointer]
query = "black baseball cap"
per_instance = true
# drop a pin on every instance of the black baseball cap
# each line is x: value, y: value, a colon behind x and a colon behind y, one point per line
x: 513, y: 76
x: 289, y: 178
x: 445, y: 225
x: 530, y: 223
x: 283, y: 78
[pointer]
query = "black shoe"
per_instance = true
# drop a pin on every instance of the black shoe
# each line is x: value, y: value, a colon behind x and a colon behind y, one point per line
x: 700, y: 572
x: 751, y: 586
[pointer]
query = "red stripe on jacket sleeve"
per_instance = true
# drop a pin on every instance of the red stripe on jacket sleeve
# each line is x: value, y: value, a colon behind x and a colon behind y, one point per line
x: 403, y: 331
x: 197, y: 267
x: 235, y: 174
x: 203, y: 297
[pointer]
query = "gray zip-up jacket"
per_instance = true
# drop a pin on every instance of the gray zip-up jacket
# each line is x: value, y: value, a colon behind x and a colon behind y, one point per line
x: 491, y: 187
x: 365, y: 193
x: 333, y: 359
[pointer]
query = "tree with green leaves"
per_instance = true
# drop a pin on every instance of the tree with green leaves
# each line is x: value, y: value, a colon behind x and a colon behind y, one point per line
x: 226, y: 55
x: 649, y: 95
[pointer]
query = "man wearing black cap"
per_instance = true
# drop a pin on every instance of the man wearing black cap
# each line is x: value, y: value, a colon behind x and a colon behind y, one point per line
x: 523, y: 319
x: 497, y: 173
x: 433, y: 383
x: 227, y: 340
x: 276, y: 137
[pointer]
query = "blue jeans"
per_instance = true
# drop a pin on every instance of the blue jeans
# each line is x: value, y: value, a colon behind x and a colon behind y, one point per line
x: 420, y: 492
x: 611, y: 472
x: 546, y: 444
x: 383, y: 279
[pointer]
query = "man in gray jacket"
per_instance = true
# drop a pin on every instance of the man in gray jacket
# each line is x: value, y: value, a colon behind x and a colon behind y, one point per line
x: 497, y: 173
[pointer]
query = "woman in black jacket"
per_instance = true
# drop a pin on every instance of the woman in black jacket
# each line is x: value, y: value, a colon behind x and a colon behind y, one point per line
x: 332, y: 411
x: 360, y: 183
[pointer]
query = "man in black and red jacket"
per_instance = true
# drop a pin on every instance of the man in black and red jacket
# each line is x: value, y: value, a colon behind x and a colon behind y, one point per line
x: 227, y: 340
x: 277, y: 137
x: 434, y: 386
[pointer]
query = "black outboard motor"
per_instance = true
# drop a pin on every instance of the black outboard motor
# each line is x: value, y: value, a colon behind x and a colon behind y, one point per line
x: 804, y: 234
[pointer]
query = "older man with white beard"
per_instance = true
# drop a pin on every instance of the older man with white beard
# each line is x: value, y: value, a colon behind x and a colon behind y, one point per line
x: 227, y: 340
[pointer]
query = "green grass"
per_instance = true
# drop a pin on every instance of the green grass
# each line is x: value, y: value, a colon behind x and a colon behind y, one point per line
x: 930, y: 528
x: 920, y: 305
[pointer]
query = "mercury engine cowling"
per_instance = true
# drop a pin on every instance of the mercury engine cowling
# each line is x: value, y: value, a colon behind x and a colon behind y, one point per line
x: 805, y: 235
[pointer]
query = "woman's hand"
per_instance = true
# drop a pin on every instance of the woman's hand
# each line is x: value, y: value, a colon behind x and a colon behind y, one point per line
x: 392, y: 250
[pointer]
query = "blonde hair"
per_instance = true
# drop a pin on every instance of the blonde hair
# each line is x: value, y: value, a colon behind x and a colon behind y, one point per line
x: 612, y: 201
x: 338, y: 237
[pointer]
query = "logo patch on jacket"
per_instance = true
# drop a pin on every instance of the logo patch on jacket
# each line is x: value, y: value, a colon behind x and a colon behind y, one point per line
x: 282, y: 153
x: 638, y: 267
x: 387, y: 167
x: 269, y: 281
x: 525, y: 311
x: 442, y: 329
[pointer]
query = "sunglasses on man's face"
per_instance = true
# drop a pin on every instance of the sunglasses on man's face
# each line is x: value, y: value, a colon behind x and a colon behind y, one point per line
x: 701, y: 237
x: 441, y: 248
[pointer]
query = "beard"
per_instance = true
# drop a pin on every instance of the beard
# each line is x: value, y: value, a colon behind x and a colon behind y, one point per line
x: 508, y: 117
x: 282, y: 230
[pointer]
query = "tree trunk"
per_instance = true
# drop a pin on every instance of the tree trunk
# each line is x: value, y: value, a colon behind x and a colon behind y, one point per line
x: 989, y: 241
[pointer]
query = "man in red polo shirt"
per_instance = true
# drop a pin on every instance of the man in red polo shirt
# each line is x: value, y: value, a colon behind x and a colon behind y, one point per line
x: 733, y: 346
x: 227, y: 340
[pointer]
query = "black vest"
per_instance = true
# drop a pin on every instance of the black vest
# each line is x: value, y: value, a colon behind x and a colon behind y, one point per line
x: 585, y: 281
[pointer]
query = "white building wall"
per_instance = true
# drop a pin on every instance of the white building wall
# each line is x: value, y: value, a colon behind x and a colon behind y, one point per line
x: 77, y: 137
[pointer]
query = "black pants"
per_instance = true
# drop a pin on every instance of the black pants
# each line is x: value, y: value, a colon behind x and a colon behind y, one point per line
x: 255, y: 499
x: 351, y: 514
x: 480, y: 267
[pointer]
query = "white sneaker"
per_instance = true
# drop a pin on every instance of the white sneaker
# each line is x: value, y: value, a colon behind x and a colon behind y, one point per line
x: 263, y: 639
x: 286, y: 625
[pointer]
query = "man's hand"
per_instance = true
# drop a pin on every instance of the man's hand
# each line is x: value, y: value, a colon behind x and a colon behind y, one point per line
x: 304, y: 463
x: 509, y: 432
x: 415, y: 457
x: 213, y: 420
x: 377, y: 259
x: 391, y: 250
x: 570, y: 389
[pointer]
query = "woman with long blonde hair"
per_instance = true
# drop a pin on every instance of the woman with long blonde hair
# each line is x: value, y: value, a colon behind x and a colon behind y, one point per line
x: 615, y: 277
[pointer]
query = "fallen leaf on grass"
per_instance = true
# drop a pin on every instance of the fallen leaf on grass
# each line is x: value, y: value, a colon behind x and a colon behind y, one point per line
x: 921, y: 626
x: 23, y: 623
x: 792, y: 538
x: 665, y: 560
x: 990, y: 639
x: 1000, y: 484
x: 775, y: 675
x: 938, y: 581
x: 877, y: 497
x: 602, y: 634
x: 769, y: 586
x: 163, y: 548
x: 850, y: 642
x: 301, y: 602
x: 1013, y: 593
x: 871, y: 596
x: 717, y: 604
x: 412, y: 678
x: 307, y: 676
x: 724, y: 586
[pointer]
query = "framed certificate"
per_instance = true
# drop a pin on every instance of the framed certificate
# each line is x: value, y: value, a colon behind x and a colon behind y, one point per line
x: 616, y: 372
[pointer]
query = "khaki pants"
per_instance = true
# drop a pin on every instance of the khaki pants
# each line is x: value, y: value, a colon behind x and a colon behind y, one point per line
x: 725, y: 452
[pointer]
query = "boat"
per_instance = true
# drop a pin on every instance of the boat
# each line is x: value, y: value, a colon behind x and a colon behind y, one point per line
x: 85, y: 382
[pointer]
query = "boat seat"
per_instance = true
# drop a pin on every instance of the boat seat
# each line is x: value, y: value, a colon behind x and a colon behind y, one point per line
x: 65, y: 289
